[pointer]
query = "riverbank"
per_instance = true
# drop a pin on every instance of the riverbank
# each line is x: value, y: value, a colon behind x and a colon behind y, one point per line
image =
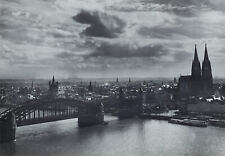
x: 198, y: 120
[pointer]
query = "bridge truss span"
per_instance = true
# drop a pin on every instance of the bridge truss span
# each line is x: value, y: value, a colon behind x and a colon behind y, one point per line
x: 43, y: 110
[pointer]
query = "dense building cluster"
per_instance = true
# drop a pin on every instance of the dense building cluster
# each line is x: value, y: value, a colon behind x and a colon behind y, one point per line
x: 127, y: 95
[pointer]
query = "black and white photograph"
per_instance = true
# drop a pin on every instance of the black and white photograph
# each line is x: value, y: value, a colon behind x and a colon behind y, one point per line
x: 112, y: 78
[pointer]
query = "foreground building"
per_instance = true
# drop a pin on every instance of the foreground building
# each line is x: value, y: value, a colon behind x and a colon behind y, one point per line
x: 200, y: 82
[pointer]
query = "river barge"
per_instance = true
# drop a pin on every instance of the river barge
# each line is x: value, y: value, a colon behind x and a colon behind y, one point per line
x: 189, y: 122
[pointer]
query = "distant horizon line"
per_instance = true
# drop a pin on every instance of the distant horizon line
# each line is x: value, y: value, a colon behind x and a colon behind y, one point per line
x: 97, y: 78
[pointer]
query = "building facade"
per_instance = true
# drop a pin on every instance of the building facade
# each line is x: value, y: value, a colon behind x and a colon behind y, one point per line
x: 206, y: 107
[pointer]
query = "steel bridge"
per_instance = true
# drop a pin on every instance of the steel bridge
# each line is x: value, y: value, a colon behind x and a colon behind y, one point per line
x: 43, y: 110
x: 46, y: 110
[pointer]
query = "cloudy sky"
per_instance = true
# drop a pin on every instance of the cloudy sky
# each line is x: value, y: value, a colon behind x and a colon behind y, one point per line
x: 109, y: 38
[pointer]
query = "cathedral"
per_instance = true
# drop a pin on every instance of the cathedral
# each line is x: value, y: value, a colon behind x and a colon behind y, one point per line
x: 200, y: 82
x: 53, y: 86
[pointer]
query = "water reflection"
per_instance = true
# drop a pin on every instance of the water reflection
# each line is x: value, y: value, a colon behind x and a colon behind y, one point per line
x: 121, y: 137
x: 8, y: 149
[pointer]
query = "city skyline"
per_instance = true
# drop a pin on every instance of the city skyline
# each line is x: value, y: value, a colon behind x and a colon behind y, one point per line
x: 108, y: 39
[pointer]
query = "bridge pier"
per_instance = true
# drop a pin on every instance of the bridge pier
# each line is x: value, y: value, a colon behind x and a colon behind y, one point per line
x: 90, y: 114
x: 8, y: 128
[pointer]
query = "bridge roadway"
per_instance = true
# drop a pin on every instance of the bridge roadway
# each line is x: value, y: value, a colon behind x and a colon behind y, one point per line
x: 47, y: 110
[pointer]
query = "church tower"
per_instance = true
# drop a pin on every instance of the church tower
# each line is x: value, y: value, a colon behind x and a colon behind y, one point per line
x: 207, y: 80
x: 196, y: 74
x: 196, y: 68
x: 53, y: 86
x: 200, y: 82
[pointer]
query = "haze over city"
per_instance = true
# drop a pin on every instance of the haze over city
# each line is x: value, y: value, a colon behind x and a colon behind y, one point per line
x: 94, y: 38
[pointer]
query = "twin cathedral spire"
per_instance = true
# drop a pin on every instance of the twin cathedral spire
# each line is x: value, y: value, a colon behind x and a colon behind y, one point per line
x: 202, y: 77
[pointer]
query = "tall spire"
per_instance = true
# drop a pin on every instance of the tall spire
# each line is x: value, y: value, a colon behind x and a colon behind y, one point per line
x: 196, y: 54
x: 90, y: 88
x: 53, y: 79
x: 207, y: 79
x: 196, y: 68
x: 206, y: 57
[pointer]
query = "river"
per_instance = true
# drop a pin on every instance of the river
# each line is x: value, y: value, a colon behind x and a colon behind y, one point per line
x: 131, y: 137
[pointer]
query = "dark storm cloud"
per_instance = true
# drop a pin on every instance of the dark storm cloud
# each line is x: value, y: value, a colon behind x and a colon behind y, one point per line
x: 164, y: 33
x: 101, y: 24
x: 127, y: 51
